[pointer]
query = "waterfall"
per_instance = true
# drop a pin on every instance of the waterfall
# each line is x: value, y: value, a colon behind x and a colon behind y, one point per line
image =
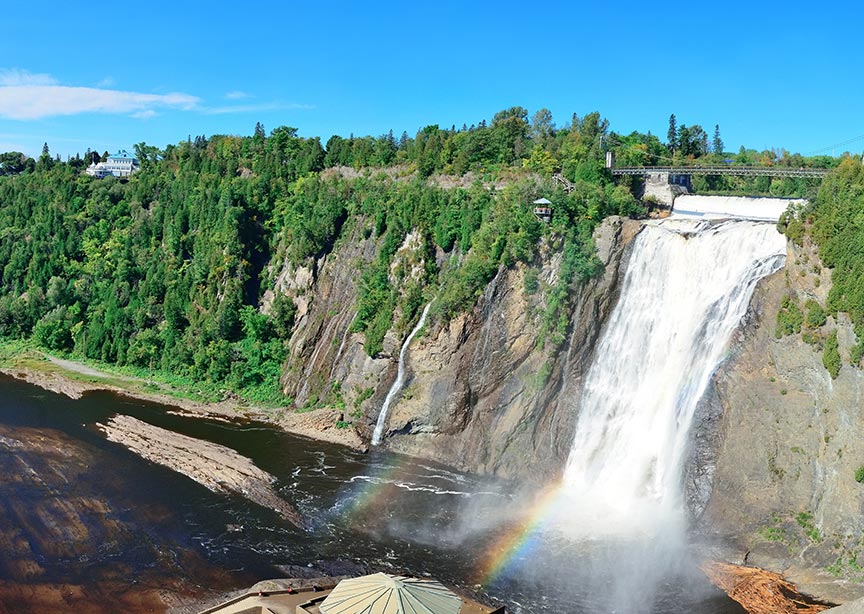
x: 687, y: 286
x: 400, y: 377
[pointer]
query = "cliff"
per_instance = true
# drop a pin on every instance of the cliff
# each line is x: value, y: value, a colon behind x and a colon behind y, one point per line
x: 779, y: 441
x: 775, y: 444
x: 481, y: 391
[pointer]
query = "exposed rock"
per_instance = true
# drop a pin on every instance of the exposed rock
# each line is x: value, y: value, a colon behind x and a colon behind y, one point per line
x: 780, y: 458
x: 218, y: 468
x: 62, y: 517
x: 481, y: 395
x: 853, y: 607
x: 760, y: 591
x: 322, y: 347
x: 479, y: 392
x: 322, y: 424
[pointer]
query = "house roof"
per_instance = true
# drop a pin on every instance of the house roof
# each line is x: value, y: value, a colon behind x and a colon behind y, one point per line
x: 122, y: 155
x: 542, y: 201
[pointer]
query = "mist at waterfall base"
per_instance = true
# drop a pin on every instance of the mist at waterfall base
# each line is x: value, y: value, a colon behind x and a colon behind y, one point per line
x: 616, y: 524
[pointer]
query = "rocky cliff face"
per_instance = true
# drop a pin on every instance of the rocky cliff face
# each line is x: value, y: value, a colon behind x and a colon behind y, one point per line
x: 779, y: 442
x: 479, y: 393
x: 483, y: 396
x: 776, y: 441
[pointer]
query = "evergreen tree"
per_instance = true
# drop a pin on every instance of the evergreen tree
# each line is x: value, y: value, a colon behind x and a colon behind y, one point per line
x: 717, y: 145
x: 45, y: 161
x: 672, y: 134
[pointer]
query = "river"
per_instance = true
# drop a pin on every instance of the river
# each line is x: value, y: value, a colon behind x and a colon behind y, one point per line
x: 88, y: 526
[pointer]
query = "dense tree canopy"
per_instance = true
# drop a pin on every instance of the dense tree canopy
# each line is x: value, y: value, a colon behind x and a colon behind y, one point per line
x: 167, y: 270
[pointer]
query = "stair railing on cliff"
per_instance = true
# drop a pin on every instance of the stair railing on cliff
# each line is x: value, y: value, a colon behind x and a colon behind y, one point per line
x: 563, y: 182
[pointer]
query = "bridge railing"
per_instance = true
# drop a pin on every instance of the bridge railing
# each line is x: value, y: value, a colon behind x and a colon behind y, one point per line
x: 751, y: 171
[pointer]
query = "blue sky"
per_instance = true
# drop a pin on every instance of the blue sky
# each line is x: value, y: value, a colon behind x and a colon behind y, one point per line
x: 770, y: 74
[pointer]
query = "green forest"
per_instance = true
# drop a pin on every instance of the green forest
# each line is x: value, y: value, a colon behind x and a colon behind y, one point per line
x: 834, y: 221
x: 165, y: 272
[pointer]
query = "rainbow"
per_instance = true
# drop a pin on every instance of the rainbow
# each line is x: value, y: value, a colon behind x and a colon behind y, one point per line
x: 521, y: 539
x: 372, y: 494
x: 515, y: 543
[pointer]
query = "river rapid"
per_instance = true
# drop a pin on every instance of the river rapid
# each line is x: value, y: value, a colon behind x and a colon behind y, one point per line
x: 88, y: 526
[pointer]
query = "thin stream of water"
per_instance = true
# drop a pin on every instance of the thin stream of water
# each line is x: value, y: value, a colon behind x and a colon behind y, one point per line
x: 396, y: 388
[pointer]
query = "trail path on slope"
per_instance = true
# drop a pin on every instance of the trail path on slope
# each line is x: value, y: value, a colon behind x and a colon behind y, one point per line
x: 77, y: 367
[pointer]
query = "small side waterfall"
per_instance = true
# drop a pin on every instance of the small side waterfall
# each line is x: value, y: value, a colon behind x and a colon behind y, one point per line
x: 400, y: 379
x: 687, y: 286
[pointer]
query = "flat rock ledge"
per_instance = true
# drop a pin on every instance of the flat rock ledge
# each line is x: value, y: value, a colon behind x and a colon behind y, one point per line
x: 216, y: 467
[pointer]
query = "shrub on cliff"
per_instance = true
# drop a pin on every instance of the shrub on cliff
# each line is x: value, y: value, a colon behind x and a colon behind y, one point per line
x: 789, y: 318
x: 831, y: 355
x: 815, y: 314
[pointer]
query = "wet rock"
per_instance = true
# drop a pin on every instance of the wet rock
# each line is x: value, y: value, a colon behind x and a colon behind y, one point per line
x: 218, y: 468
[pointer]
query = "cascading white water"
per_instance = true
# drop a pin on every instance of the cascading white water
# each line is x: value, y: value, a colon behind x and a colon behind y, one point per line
x: 687, y: 286
x: 400, y: 377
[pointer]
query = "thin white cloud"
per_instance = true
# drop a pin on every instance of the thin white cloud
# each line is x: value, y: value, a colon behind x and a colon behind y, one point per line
x: 106, y: 82
x: 237, y: 95
x: 254, y: 108
x: 11, y: 146
x: 25, y: 102
x: 30, y: 96
x: 15, y: 77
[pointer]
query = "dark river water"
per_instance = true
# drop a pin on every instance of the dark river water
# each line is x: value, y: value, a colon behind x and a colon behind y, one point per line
x: 79, y: 511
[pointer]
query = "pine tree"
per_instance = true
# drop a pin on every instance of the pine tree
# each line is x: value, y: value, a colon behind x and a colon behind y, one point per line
x: 672, y: 134
x: 45, y: 160
x: 717, y: 145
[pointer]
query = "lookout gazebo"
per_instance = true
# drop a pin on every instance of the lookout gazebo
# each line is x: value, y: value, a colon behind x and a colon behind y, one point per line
x: 543, y: 210
x: 381, y: 593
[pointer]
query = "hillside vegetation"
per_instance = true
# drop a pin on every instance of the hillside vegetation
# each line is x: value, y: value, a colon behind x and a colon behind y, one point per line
x: 835, y: 222
x: 166, y: 272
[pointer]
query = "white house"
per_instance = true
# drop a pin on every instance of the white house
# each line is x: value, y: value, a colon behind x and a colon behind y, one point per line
x: 121, y: 164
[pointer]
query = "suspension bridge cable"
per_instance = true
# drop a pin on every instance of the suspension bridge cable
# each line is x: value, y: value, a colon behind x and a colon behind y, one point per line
x: 835, y: 145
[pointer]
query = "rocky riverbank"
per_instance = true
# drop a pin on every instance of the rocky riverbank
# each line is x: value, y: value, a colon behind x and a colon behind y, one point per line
x: 74, y: 380
x: 216, y: 467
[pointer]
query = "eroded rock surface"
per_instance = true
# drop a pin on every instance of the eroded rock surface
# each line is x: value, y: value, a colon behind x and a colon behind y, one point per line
x: 218, y: 468
x: 781, y: 441
x: 65, y: 543
x: 480, y: 392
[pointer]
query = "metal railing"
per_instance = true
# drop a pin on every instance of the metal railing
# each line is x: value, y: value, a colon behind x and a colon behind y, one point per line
x: 744, y: 171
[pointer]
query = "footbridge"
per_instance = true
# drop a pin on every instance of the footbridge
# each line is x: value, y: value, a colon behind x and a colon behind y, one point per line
x: 740, y: 171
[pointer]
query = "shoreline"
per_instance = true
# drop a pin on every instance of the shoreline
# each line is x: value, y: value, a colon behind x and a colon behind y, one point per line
x: 74, y: 380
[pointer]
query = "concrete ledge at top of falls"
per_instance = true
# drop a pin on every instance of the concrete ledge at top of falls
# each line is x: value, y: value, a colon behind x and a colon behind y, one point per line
x: 745, y: 207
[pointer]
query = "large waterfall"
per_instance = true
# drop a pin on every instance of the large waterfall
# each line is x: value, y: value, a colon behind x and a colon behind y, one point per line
x: 687, y: 286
